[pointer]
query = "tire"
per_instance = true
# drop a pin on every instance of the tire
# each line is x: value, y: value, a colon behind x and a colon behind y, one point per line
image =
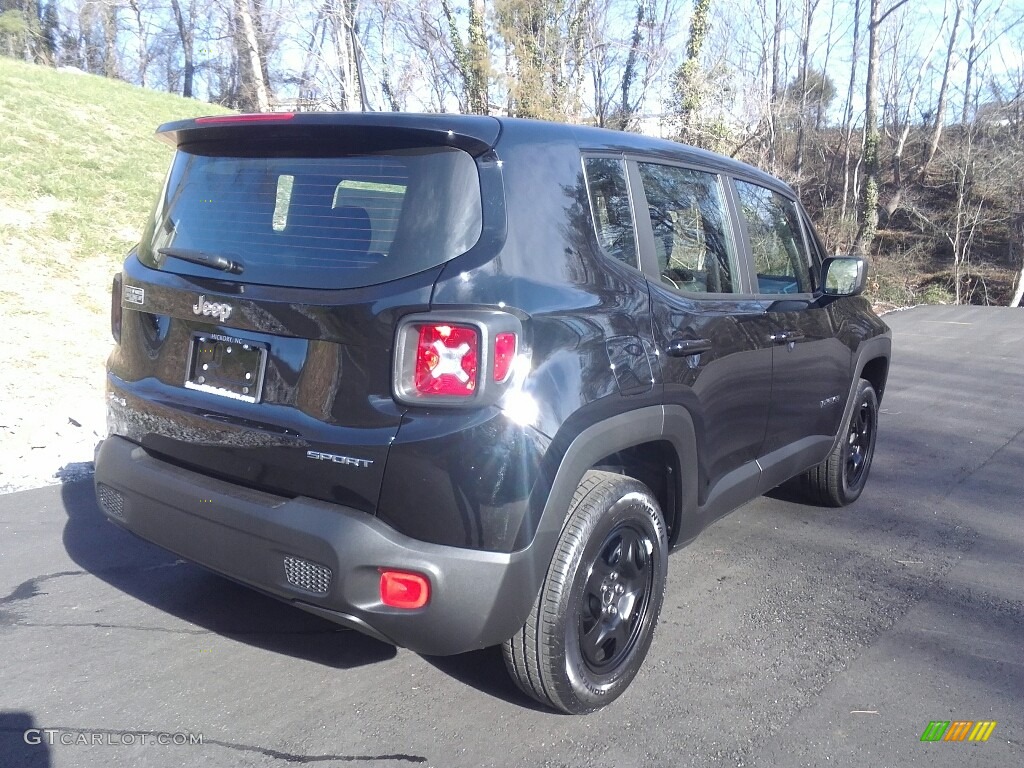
x: 594, y: 618
x: 840, y: 479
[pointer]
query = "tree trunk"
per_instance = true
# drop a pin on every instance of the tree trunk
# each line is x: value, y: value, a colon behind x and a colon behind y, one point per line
x: 479, y: 60
x: 805, y: 60
x: 186, y: 34
x: 1018, y: 295
x: 689, y: 90
x: 872, y: 139
x: 252, y: 56
x: 940, y: 110
x: 969, y: 63
x: 848, y: 115
x: 773, y: 108
x: 264, y: 44
x: 348, y: 64
x: 911, y: 98
x: 109, y: 21
x: 629, y: 71
x: 1017, y: 244
x: 140, y: 31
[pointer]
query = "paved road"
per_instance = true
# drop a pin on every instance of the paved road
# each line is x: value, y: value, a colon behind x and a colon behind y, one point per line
x: 791, y: 636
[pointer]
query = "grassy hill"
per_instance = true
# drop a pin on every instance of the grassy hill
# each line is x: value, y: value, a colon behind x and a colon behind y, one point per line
x: 81, y: 167
x: 79, y: 171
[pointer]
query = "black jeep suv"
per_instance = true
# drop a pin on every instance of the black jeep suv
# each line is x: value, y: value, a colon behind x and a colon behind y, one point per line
x: 463, y: 381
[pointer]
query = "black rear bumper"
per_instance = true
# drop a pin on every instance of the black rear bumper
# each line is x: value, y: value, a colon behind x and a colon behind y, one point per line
x: 321, y: 557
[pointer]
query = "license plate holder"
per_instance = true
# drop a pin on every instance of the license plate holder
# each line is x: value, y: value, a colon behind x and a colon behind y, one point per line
x: 227, y: 366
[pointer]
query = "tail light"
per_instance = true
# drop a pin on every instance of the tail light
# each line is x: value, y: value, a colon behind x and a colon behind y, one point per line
x: 115, y: 309
x: 447, y: 360
x: 462, y: 358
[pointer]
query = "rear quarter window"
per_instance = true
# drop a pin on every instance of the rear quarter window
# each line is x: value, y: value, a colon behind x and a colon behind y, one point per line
x: 611, y: 209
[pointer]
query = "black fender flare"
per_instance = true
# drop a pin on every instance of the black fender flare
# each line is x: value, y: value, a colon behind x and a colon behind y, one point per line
x: 870, y: 349
x: 671, y: 424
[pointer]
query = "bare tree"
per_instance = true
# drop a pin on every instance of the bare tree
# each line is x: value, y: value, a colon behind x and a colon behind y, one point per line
x: 544, y: 48
x: 688, y: 86
x: 807, y: 19
x: 848, y: 111
x: 109, y: 19
x: 471, y: 58
x: 625, y: 62
x: 186, y: 35
x: 144, y: 51
x: 254, y: 93
x: 903, y: 99
x: 940, y: 110
x: 872, y: 138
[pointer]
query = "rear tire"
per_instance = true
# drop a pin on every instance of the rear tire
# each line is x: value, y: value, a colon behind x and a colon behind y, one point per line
x: 840, y: 479
x: 594, y: 618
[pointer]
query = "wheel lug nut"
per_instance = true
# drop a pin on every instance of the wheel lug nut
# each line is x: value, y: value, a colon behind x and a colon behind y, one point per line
x: 613, y: 576
x: 612, y: 610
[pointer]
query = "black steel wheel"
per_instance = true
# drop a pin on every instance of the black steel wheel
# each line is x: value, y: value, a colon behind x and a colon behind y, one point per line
x: 840, y: 479
x: 616, y: 598
x: 594, y: 618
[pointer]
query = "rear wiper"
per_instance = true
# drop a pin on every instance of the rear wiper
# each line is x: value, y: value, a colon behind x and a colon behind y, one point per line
x: 203, y: 258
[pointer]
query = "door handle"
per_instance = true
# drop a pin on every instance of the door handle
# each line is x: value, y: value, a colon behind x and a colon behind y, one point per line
x: 787, y: 337
x: 687, y: 347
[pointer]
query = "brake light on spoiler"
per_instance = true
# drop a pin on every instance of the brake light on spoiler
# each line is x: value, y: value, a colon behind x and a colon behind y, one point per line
x: 255, y: 117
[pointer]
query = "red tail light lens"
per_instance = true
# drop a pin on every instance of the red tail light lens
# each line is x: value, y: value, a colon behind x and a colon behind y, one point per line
x: 115, y: 309
x: 447, y: 358
x: 404, y: 589
x: 504, y: 354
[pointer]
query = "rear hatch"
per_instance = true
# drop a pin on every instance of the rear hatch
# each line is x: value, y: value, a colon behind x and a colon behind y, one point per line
x: 259, y: 308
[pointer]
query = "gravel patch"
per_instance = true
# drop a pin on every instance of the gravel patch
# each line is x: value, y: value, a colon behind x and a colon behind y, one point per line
x: 48, y: 445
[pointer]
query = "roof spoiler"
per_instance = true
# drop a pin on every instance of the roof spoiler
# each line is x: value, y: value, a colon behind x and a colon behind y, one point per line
x: 338, y: 131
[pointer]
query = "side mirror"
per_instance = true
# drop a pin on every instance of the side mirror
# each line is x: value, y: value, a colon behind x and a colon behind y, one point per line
x: 844, y: 276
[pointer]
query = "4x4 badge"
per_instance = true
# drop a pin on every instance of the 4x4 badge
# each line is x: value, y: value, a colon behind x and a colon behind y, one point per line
x: 214, y: 309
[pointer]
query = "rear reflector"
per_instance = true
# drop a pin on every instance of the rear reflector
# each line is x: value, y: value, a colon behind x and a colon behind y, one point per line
x: 258, y: 117
x: 504, y: 354
x: 447, y: 360
x: 404, y: 589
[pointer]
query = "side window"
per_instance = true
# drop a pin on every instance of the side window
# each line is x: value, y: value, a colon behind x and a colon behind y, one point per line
x: 693, y: 240
x: 776, y: 241
x: 609, y: 202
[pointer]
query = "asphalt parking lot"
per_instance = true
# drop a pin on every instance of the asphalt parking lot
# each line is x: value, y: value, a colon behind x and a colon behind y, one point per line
x: 791, y: 635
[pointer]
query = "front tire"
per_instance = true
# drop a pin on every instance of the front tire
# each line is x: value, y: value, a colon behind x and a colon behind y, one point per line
x: 594, y: 618
x: 840, y: 479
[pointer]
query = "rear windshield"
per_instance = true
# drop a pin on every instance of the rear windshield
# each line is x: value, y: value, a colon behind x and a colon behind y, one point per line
x: 328, y: 222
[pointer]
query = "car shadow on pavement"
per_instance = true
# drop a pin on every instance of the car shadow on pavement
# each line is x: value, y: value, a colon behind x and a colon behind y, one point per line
x: 485, y: 671
x: 203, y: 599
x: 211, y: 603
x: 23, y: 743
